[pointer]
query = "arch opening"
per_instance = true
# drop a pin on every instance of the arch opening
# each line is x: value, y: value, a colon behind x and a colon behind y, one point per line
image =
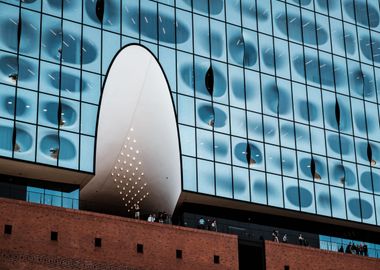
x: 137, y: 148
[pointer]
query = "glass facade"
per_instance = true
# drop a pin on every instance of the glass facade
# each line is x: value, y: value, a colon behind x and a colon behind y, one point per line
x: 277, y: 101
x: 334, y: 243
x: 42, y: 192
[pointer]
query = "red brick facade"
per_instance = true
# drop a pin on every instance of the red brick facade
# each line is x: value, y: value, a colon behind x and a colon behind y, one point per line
x: 279, y: 255
x: 30, y: 247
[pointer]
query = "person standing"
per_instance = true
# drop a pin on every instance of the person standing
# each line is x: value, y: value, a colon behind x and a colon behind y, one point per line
x: 201, y: 223
x: 213, y: 225
x: 137, y: 211
x: 285, y: 238
x: 301, y: 240
x: 275, y: 236
x: 365, y: 250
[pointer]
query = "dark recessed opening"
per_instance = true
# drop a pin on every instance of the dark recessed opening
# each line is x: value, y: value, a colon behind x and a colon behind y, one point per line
x: 178, y: 254
x: 7, y: 229
x: 286, y: 267
x: 140, y: 248
x: 53, y: 236
x: 216, y: 259
x: 98, y: 242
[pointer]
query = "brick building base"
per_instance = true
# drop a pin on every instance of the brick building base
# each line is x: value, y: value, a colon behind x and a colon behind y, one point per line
x: 29, y: 246
x: 279, y: 256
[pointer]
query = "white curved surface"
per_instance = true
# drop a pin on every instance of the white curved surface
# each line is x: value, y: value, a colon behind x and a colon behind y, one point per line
x: 136, y: 111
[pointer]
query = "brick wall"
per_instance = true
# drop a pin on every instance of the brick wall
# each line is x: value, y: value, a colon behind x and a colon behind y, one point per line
x: 30, y: 245
x: 279, y: 255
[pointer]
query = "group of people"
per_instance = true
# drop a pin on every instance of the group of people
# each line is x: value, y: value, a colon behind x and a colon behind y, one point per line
x: 276, y: 236
x: 351, y: 248
x: 161, y: 217
x: 207, y: 224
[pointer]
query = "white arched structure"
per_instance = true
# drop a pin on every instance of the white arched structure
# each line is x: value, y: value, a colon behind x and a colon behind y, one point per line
x: 137, y: 150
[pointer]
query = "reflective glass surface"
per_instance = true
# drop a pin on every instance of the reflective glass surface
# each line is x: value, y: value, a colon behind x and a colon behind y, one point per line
x: 277, y: 101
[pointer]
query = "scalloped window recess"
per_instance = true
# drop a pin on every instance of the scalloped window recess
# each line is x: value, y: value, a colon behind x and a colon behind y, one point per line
x: 248, y: 154
x: 13, y: 77
x: 316, y: 176
x: 241, y: 42
x: 314, y: 173
x: 251, y: 162
x: 60, y: 114
x: 337, y: 113
x: 16, y: 148
x: 100, y: 10
x: 19, y: 29
x: 342, y: 180
x: 62, y: 122
x: 211, y: 122
x: 209, y: 81
x: 54, y: 152
x: 371, y: 160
